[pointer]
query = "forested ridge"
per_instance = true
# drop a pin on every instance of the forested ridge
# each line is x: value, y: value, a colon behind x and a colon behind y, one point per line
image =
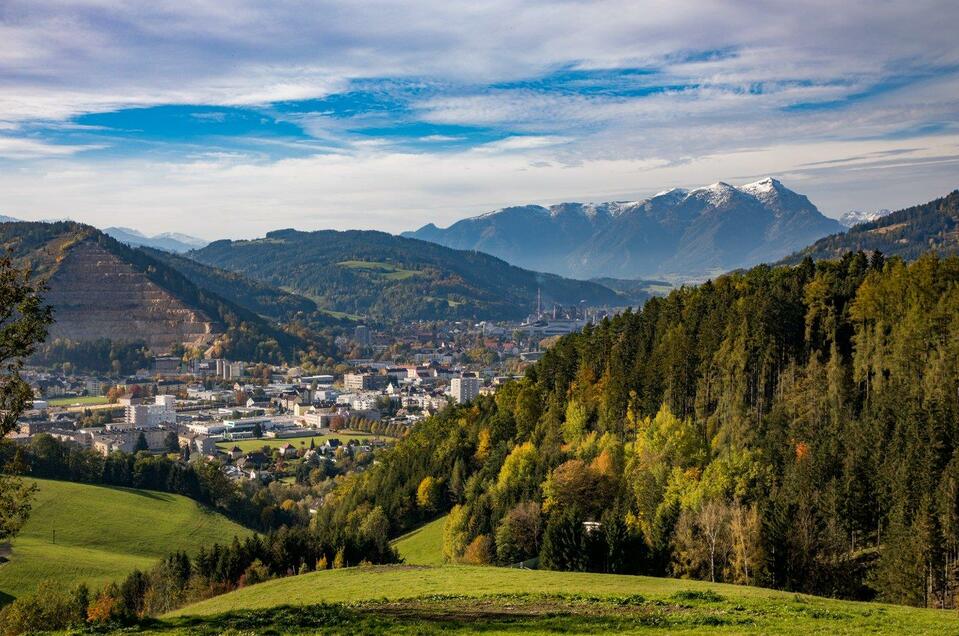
x: 389, y: 278
x: 793, y: 427
x: 908, y: 233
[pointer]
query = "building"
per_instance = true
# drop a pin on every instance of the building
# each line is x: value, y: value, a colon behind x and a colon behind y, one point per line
x: 362, y: 336
x: 357, y: 381
x: 464, y: 390
x: 166, y: 365
x: 145, y: 416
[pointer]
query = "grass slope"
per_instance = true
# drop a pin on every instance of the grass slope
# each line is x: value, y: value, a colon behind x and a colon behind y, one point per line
x: 103, y: 533
x: 417, y: 599
x: 423, y: 546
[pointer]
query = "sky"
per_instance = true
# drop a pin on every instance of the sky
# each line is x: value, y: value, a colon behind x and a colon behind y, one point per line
x: 229, y: 119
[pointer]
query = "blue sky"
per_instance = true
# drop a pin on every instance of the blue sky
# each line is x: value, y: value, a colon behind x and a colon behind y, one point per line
x: 234, y: 118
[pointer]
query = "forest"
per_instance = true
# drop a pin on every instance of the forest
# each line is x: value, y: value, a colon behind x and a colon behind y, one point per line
x: 389, y: 278
x: 791, y: 427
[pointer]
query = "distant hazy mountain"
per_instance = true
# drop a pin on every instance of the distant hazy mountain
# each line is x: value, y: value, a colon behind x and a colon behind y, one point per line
x: 908, y: 233
x: 855, y: 217
x: 7, y: 219
x: 168, y: 241
x: 685, y: 232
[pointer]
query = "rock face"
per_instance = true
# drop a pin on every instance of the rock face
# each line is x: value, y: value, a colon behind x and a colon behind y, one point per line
x: 96, y: 295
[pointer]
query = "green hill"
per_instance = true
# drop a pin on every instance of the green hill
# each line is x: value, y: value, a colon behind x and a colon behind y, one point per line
x: 908, y: 233
x: 417, y: 599
x: 393, y: 278
x: 423, y: 546
x: 80, y: 532
x: 262, y: 299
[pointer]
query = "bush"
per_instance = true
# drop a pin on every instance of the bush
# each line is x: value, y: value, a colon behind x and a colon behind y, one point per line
x: 479, y: 551
x: 49, y: 608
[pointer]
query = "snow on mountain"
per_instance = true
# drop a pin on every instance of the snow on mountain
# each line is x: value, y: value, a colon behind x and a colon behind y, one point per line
x: 855, y: 217
x: 692, y: 233
x: 168, y: 241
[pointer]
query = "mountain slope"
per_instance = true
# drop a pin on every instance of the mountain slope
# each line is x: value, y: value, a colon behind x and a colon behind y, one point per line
x: 682, y: 232
x: 102, y: 289
x: 168, y: 241
x: 103, y: 533
x: 932, y: 226
x: 260, y: 298
x: 389, y: 277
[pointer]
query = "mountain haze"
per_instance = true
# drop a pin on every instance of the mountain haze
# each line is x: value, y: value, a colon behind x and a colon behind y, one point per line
x: 690, y: 233
x: 167, y: 241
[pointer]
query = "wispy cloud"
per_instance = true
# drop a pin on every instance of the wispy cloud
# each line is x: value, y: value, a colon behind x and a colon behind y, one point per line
x: 629, y: 97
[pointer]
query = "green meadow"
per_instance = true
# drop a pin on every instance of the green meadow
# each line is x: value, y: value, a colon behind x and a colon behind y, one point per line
x: 462, y: 599
x: 95, y: 534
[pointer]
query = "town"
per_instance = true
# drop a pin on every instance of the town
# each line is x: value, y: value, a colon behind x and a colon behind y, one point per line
x: 264, y: 422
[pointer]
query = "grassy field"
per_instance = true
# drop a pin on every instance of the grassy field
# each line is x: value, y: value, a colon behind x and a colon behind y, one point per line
x: 418, y: 599
x: 423, y: 546
x: 248, y: 445
x: 387, y: 270
x: 101, y: 534
x: 89, y: 400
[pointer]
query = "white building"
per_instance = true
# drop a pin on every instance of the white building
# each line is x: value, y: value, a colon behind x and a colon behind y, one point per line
x: 464, y: 390
x: 357, y: 381
x: 144, y: 416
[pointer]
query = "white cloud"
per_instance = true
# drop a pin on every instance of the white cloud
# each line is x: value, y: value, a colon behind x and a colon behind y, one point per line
x: 63, y: 57
x: 227, y: 197
x: 20, y: 148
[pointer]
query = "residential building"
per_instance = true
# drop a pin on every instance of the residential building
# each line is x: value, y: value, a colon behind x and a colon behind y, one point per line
x: 464, y: 390
x: 357, y: 381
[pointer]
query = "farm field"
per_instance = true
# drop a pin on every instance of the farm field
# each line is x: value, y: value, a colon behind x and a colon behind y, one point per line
x: 95, y: 534
x: 417, y: 599
x: 423, y: 546
x: 248, y: 445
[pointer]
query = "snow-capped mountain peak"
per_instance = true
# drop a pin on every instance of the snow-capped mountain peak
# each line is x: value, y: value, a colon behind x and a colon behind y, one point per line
x: 855, y: 217
x: 690, y: 232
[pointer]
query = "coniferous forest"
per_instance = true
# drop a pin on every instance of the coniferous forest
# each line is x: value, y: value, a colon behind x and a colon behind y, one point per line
x: 792, y: 427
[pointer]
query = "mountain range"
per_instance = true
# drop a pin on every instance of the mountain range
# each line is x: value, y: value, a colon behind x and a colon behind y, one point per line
x: 679, y: 232
x: 386, y: 277
x: 168, y: 241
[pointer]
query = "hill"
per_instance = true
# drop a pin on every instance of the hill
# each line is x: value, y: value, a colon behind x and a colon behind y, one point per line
x: 682, y: 233
x: 262, y: 299
x: 102, y: 533
x: 168, y: 241
x: 908, y: 233
x: 102, y: 289
x: 403, y: 599
x: 423, y: 546
x: 388, y: 277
